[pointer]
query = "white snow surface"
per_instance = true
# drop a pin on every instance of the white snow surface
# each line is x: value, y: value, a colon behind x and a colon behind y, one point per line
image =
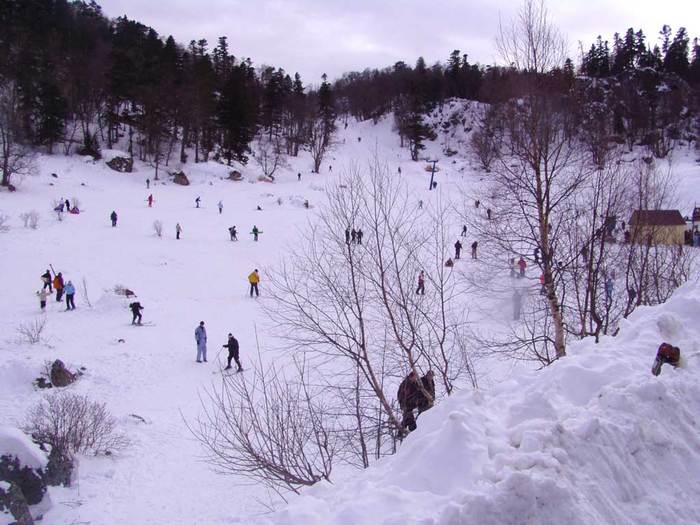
x: 592, y: 439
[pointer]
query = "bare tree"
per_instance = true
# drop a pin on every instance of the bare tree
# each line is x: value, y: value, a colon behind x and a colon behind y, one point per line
x: 75, y: 424
x: 318, y: 142
x: 530, y: 42
x: 269, y: 155
x: 31, y: 332
x: 268, y: 429
x: 158, y: 228
x: 356, y: 302
x: 4, y: 222
x: 15, y: 157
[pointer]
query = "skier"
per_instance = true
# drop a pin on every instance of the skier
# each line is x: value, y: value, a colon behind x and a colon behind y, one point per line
x: 512, y: 267
x: 200, y: 335
x: 42, y: 294
x: 421, y: 284
x: 488, y: 213
x: 67, y: 205
x: 196, y: 201
x: 255, y: 233
x: 542, y: 288
x: 464, y: 230
x: 584, y: 253
x: 148, y: 184
x: 70, y: 296
x: 477, y: 203
x: 399, y: 170
x: 522, y: 265
x: 360, y: 233
x: 517, y: 304
x: 536, y: 255
x: 46, y: 279
x: 458, y: 249
x: 113, y: 217
x: 233, y: 233
x: 353, y: 236
x: 58, y: 285
x: 299, y: 176
x: 178, y: 230
x: 347, y: 235
x: 232, y: 346
x: 136, y: 312
x: 254, y: 279
x: 330, y: 168
x: 221, y: 207
x: 609, y: 287
x: 475, y: 244
x: 420, y: 204
x: 150, y: 200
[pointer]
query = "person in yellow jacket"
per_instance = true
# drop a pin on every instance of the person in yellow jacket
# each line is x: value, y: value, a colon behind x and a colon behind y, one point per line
x: 254, y: 279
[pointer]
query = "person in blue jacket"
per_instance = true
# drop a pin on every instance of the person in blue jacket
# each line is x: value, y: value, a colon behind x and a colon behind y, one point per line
x: 200, y: 335
x: 69, y: 290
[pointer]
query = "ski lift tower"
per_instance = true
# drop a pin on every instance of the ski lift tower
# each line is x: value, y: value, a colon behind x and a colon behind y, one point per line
x: 432, y: 173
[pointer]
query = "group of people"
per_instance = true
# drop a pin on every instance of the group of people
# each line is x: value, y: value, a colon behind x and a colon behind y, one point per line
x: 353, y: 236
x: 62, y: 288
x: 200, y: 337
x: 64, y: 205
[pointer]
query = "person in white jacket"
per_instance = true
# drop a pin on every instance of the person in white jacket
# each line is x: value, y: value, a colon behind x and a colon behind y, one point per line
x: 42, y: 295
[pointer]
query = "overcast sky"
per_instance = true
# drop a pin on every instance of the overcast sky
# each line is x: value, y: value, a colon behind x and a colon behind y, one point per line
x: 335, y: 36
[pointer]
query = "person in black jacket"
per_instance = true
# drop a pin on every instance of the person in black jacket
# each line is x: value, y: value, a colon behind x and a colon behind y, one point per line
x: 232, y: 352
x: 415, y: 393
x: 136, y: 312
x: 113, y: 218
x: 47, y: 279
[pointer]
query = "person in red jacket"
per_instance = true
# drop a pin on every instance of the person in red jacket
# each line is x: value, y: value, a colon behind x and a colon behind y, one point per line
x: 522, y: 265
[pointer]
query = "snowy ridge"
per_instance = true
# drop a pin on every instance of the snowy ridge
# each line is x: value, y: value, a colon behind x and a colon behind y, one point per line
x: 594, y: 438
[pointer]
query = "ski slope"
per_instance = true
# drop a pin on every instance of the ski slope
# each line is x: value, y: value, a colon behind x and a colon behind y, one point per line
x: 580, y: 441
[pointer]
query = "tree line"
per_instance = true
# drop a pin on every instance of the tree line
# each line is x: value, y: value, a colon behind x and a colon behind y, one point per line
x: 69, y: 76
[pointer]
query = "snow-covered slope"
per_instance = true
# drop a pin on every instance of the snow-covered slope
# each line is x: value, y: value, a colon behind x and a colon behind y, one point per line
x: 594, y: 438
x: 539, y: 440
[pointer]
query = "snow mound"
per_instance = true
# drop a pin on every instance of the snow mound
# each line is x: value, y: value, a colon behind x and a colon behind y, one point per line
x: 14, y: 442
x: 594, y: 438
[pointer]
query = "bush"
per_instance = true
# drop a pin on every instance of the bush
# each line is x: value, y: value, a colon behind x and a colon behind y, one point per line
x: 31, y: 332
x: 30, y: 219
x: 74, y: 424
x: 158, y: 228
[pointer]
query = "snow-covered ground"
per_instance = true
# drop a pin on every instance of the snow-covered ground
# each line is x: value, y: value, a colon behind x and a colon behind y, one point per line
x: 581, y: 441
x: 594, y: 438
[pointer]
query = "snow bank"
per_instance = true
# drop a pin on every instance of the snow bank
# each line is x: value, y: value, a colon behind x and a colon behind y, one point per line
x: 595, y: 438
x: 14, y: 442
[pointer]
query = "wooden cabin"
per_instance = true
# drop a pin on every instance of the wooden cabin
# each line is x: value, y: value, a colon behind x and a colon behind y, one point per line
x: 657, y: 227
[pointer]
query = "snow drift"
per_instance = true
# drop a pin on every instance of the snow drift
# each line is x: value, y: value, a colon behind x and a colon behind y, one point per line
x: 594, y: 438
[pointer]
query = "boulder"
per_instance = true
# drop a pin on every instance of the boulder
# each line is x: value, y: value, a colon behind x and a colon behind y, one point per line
x: 235, y: 175
x: 180, y: 178
x: 60, y: 375
x: 13, y: 501
x: 29, y: 480
x: 121, y: 164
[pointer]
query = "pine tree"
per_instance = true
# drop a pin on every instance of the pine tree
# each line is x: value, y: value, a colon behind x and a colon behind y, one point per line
x: 326, y: 110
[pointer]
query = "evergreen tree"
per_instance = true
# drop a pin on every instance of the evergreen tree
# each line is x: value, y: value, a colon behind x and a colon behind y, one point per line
x: 326, y: 110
